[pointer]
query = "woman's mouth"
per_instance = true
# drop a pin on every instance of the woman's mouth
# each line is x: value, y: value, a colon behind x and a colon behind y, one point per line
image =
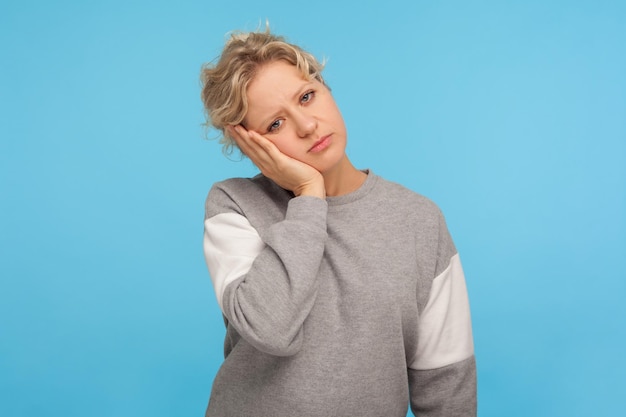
x: 321, y: 144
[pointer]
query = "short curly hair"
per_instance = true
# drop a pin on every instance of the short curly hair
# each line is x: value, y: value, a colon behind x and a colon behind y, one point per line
x: 225, y: 80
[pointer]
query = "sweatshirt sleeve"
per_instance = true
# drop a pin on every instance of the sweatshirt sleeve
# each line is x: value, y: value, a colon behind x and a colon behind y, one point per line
x: 442, y: 374
x: 266, y: 281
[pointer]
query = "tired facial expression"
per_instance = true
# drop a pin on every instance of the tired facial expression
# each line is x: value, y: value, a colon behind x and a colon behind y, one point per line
x: 298, y: 115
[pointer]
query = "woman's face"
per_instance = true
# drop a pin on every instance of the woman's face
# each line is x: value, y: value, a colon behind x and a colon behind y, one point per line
x: 298, y: 115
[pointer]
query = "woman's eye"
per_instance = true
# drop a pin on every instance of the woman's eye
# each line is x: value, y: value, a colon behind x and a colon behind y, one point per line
x: 275, y: 125
x: 307, y: 97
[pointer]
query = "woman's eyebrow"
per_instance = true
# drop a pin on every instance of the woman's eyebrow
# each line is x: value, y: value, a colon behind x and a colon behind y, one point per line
x: 303, y: 88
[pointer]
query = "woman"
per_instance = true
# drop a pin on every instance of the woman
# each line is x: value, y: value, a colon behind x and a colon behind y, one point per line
x: 342, y: 293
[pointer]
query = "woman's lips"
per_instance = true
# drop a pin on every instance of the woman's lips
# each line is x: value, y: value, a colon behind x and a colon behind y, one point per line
x: 321, y: 144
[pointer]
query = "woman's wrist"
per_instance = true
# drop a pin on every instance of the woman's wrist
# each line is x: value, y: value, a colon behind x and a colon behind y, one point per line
x: 313, y: 189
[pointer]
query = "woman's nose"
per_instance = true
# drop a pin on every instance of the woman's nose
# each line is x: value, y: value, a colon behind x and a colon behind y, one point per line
x: 305, y: 124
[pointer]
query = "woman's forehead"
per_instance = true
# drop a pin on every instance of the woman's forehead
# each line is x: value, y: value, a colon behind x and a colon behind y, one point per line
x: 275, y: 86
x: 276, y: 76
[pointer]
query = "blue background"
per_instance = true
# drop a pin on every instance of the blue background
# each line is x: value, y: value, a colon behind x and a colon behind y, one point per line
x: 511, y: 115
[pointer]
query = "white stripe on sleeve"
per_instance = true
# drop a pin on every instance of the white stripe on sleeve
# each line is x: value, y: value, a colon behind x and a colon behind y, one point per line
x: 230, y: 246
x: 445, y: 328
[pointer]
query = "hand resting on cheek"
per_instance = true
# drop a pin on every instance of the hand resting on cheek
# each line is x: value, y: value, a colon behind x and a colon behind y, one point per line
x: 287, y: 172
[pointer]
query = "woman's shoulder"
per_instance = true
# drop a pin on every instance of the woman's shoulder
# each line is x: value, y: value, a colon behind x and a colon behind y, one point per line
x: 402, y: 197
x: 245, y: 195
x: 240, y: 187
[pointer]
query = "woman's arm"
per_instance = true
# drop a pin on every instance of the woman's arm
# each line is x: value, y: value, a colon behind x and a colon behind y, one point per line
x: 266, y: 281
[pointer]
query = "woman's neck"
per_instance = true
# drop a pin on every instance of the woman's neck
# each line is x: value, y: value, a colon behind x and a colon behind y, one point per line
x: 344, y: 178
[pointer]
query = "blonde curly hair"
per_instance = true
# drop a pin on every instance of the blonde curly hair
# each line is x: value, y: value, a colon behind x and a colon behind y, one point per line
x: 225, y: 81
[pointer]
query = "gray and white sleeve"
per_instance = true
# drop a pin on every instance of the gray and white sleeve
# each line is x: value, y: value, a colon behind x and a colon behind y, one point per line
x: 442, y: 373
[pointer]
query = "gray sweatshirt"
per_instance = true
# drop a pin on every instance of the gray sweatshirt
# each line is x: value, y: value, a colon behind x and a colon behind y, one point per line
x: 350, y: 306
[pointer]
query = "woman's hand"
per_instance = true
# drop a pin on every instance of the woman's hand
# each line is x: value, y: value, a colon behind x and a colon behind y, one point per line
x: 287, y: 172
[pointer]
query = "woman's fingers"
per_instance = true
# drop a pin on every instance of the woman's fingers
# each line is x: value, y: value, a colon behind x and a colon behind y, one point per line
x: 259, y: 149
x: 265, y: 146
x: 240, y: 138
x: 253, y: 145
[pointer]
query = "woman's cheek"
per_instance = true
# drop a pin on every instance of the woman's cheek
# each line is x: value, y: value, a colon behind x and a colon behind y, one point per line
x: 288, y: 145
